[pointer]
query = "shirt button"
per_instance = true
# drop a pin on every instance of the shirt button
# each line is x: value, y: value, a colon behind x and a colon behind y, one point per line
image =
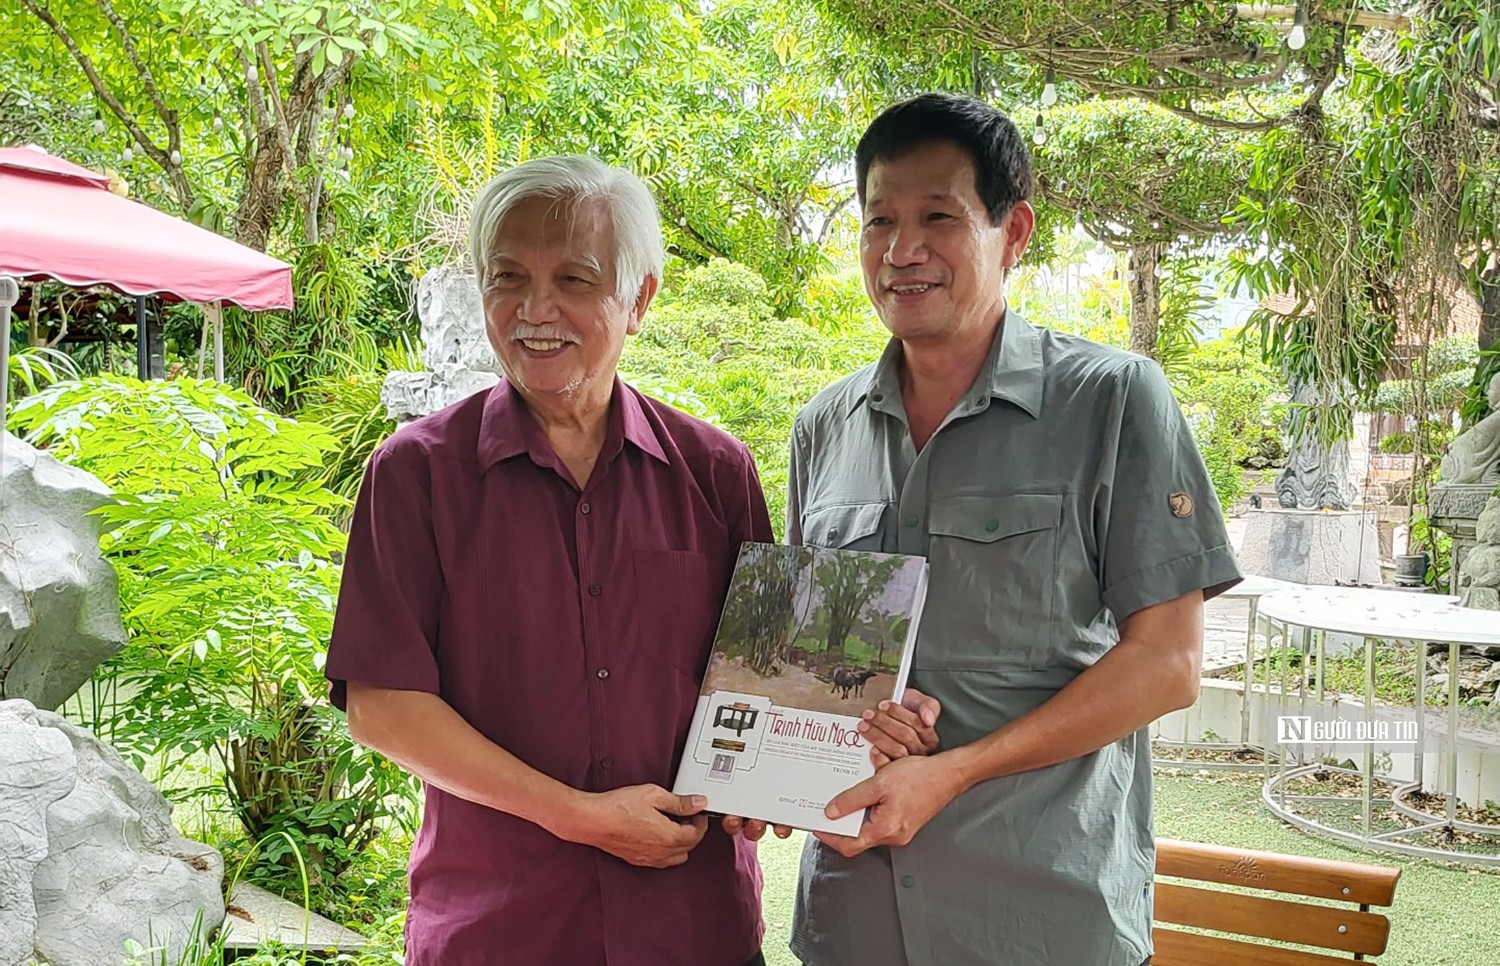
x: 907, y: 881
x: 595, y: 590
x: 911, y: 519
x: 876, y: 397
x: 606, y: 762
x: 602, y: 673
x: 585, y: 509
x: 979, y: 400
x: 992, y: 525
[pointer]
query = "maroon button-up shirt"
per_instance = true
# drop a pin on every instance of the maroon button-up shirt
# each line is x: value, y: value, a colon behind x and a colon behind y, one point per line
x: 571, y: 628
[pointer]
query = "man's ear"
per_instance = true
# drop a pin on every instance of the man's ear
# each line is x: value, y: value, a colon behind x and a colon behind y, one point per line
x: 1021, y: 222
x: 643, y: 299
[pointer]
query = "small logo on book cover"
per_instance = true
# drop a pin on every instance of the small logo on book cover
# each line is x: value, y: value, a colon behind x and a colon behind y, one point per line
x: 722, y: 769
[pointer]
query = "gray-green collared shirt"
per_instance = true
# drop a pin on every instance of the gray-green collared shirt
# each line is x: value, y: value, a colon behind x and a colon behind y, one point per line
x: 1062, y: 494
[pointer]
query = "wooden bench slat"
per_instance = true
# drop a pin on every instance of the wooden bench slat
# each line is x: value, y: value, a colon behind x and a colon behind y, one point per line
x: 1278, y: 919
x: 1300, y: 875
x: 1174, y: 948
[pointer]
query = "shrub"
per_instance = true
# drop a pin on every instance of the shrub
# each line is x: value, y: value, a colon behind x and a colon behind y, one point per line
x: 228, y: 576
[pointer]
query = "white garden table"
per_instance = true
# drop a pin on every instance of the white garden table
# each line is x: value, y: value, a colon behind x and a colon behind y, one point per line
x: 1381, y: 618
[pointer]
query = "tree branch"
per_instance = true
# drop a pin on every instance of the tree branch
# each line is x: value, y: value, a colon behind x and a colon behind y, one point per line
x: 1208, y: 120
x: 833, y: 214
x: 180, y: 185
x: 148, y: 82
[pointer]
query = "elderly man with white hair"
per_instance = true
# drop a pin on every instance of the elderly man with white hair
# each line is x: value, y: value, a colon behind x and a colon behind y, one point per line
x: 533, y: 580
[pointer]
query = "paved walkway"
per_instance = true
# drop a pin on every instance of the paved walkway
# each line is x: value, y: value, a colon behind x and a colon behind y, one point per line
x: 1224, y: 626
x: 1225, y: 621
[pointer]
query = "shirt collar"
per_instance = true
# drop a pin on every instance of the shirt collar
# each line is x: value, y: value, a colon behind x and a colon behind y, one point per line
x: 508, y: 429
x: 1012, y: 371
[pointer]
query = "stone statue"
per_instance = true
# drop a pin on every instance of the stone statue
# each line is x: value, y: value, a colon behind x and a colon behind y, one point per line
x: 1480, y: 573
x: 1475, y: 456
x: 1316, y: 476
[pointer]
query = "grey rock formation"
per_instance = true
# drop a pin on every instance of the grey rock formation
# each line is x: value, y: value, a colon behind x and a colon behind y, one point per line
x: 59, y: 601
x: 455, y: 349
x: 36, y: 769
x: 114, y: 867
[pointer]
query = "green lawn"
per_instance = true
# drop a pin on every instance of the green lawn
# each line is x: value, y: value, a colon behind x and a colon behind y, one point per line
x: 1443, y: 914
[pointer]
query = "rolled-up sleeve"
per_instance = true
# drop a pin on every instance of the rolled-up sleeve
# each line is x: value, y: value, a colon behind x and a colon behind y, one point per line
x: 1164, y: 533
x: 385, y: 628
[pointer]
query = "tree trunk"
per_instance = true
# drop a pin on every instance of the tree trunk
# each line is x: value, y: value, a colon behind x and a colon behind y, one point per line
x: 1145, y: 297
x: 264, y: 193
x: 1488, y: 294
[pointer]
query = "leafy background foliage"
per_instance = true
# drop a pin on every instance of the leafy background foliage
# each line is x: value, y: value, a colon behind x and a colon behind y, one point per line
x: 1350, y: 188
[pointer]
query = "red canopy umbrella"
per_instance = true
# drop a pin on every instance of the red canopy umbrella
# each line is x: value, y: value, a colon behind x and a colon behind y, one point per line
x: 61, y: 221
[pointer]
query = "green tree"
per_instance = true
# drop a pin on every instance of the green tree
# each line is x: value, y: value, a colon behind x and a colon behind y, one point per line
x: 1377, y: 206
x: 886, y: 631
x: 1228, y: 394
x: 846, y: 584
x: 1143, y: 180
x: 228, y: 575
x: 760, y: 615
x: 716, y: 343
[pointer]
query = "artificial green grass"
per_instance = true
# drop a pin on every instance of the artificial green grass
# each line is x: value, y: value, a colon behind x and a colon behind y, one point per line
x: 1444, y: 915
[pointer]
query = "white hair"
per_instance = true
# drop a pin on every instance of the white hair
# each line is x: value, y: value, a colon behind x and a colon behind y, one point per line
x: 576, y: 178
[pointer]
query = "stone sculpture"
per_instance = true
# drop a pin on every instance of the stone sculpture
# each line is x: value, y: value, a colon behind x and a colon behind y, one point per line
x: 1316, y: 476
x: 1474, y: 457
x: 1480, y: 573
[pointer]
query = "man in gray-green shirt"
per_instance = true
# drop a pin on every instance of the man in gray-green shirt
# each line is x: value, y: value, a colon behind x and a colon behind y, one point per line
x: 1073, y: 536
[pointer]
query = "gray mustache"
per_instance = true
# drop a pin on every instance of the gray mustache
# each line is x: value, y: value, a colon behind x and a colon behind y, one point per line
x: 542, y: 333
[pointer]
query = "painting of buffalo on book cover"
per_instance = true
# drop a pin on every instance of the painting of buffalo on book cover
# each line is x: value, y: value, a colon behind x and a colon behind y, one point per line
x: 809, y: 638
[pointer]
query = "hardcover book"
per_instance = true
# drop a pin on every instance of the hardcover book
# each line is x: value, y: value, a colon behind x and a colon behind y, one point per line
x: 809, y: 638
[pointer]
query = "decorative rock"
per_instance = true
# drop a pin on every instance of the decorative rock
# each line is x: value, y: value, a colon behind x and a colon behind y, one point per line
x: 452, y: 317
x: 59, y: 602
x: 455, y: 348
x: 256, y: 917
x: 412, y: 395
x: 115, y: 867
x: 36, y: 769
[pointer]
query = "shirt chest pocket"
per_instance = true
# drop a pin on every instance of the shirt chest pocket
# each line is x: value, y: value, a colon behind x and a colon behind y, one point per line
x: 678, y: 594
x: 847, y: 526
x: 994, y: 576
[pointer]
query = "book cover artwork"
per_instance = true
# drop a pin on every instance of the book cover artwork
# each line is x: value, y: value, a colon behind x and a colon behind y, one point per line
x: 809, y: 638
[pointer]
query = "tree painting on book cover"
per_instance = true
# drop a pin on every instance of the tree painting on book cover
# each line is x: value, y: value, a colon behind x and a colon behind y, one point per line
x: 813, y: 628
